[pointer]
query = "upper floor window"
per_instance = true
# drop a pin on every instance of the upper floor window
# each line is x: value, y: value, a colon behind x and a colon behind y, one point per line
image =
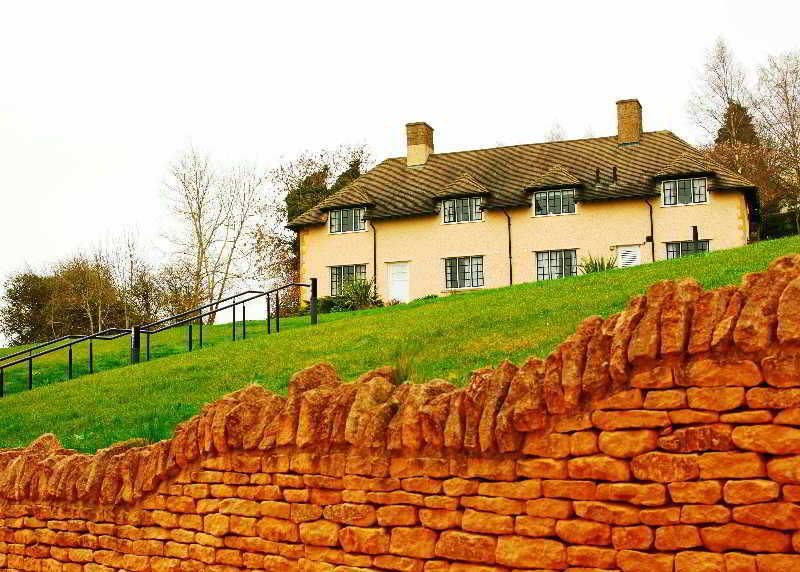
x: 463, y: 272
x: 462, y: 210
x: 554, y: 202
x: 556, y: 264
x: 341, y: 276
x: 685, y: 248
x: 684, y: 192
x: 347, y: 220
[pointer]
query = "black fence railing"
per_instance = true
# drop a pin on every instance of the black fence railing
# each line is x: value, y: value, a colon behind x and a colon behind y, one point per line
x: 189, y: 318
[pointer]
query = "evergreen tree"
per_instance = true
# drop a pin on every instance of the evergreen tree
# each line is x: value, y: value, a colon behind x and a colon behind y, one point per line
x: 737, y: 126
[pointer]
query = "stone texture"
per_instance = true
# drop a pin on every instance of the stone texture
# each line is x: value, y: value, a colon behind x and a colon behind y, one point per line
x: 774, y: 439
x: 777, y: 515
x: 741, y: 537
x: 700, y: 492
x: 627, y: 443
x: 716, y: 437
x: 524, y: 552
x: 731, y: 466
x: 750, y: 491
x: 415, y: 542
x: 599, y: 468
x: 583, y: 532
x: 715, y: 399
x: 633, y: 561
x: 466, y: 546
x: 665, y: 467
x: 634, y: 493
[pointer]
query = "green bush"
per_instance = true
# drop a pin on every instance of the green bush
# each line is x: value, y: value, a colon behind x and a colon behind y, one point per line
x: 591, y: 264
x: 359, y: 294
x: 326, y: 304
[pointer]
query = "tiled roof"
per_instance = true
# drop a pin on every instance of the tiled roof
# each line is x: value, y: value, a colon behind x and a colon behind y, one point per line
x: 507, y: 174
x: 464, y: 186
x: 555, y: 176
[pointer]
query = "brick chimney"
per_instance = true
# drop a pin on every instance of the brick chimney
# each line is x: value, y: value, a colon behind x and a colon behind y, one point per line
x: 420, y: 143
x: 629, y: 122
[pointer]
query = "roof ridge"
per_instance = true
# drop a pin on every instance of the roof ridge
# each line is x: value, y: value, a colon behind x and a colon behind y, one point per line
x: 541, y: 143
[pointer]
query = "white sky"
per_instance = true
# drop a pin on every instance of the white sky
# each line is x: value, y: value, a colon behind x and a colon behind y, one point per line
x: 97, y: 97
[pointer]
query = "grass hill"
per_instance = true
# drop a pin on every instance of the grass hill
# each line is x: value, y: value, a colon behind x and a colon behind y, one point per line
x: 445, y: 338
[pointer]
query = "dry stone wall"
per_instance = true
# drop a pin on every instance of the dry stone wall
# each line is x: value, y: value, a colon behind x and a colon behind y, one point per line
x: 663, y: 438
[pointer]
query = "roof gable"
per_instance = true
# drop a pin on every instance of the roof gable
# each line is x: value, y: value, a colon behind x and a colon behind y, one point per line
x: 556, y: 177
x: 464, y: 185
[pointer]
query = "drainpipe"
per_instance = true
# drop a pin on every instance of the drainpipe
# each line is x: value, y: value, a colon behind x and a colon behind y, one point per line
x: 652, y: 238
x: 374, y: 256
x: 510, y: 265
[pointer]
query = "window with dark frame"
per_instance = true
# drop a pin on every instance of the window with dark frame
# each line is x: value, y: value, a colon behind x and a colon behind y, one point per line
x: 554, y: 202
x: 684, y: 192
x: 341, y: 276
x: 686, y: 248
x: 467, y: 209
x: 552, y: 264
x: 463, y: 272
x: 347, y: 220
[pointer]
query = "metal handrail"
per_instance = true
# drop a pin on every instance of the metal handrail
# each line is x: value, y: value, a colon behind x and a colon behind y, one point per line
x: 148, y: 329
x: 104, y: 335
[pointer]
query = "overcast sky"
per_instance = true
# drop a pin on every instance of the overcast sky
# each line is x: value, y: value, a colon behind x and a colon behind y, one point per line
x: 97, y: 97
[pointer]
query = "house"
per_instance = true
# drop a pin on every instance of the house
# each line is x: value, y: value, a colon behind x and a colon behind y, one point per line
x: 437, y: 223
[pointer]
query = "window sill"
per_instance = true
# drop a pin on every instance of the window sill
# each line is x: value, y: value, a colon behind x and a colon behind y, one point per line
x: 457, y: 290
x: 463, y: 222
x: 663, y: 206
x: 347, y: 232
x: 552, y: 215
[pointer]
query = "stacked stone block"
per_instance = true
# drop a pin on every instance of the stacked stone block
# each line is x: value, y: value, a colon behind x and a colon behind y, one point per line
x: 663, y: 438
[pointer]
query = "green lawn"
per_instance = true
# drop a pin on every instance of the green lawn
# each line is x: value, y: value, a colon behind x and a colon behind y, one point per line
x: 108, y: 354
x: 445, y: 338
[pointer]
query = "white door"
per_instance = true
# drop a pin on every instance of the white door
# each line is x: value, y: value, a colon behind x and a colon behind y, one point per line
x: 398, y: 281
x: 628, y: 256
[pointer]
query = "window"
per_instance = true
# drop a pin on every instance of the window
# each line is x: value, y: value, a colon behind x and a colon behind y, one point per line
x: 347, y: 220
x: 462, y: 210
x: 552, y: 264
x: 684, y: 192
x: 554, y: 202
x: 341, y: 276
x: 685, y: 248
x: 463, y: 272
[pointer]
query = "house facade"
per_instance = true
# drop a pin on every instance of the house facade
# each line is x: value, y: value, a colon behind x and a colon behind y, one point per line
x: 443, y: 223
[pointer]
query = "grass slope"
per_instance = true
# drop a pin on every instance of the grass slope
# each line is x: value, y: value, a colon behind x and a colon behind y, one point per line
x: 109, y: 354
x: 445, y: 338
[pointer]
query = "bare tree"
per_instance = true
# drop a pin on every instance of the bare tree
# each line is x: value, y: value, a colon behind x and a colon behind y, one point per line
x: 214, y: 209
x: 777, y: 104
x: 122, y: 251
x: 556, y: 133
x: 295, y: 186
x: 721, y: 82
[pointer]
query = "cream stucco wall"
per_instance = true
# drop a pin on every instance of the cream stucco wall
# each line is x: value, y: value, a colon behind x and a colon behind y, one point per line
x: 596, y: 228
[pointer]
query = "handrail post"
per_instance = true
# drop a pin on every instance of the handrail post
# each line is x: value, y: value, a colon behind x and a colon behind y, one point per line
x: 277, y: 313
x: 234, y: 319
x: 201, y: 333
x: 69, y: 362
x: 244, y: 322
x: 313, y: 301
x: 2, y: 389
x: 136, y: 344
x: 30, y: 373
x: 148, y: 346
x: 269, y: 316
x: 190, y: 336
x: 91, y: 358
